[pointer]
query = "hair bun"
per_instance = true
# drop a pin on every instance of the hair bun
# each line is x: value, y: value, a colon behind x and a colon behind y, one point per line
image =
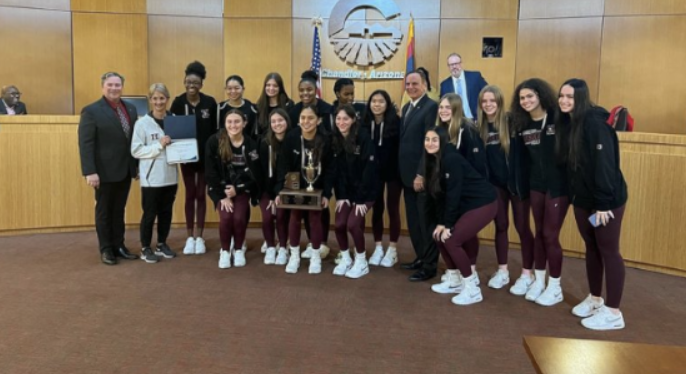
x: 196, y: 68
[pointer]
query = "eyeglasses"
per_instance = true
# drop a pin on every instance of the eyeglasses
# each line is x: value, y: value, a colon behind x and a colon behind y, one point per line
x: 455, y: 64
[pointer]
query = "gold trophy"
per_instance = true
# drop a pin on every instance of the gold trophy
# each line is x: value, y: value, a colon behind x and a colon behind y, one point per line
x: 292, y: 197
x: 310, y: 172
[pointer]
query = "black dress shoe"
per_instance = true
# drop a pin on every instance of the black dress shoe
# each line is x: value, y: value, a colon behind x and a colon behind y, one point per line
x: 414, y: 265
x: 123, y: 252
x: 422, y: 275
x: 107, y: 258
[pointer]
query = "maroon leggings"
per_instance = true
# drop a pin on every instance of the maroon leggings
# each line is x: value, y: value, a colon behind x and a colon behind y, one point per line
x: 520, y: 212
x: 194, y: 180
x: 465, y: 229
x: 316, y: 232
x: 549, y: 215
x: 347, y: 220
x: 268, y: 220
x: 602, y: 255
x: 392, y: 203
x: 234, y: 224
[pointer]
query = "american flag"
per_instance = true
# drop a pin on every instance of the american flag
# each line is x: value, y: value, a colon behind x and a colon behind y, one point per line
x: 316, y: 64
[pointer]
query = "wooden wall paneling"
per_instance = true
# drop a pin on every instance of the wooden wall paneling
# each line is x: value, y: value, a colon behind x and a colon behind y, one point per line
x: 642, y: 69
x: 320, y: 8
x: 488, y: 9
x: 465, y: 37
x: 560, y: 8
x: 205, y: 8
x: 38, y: 4
x: 41, y: 67
x: 258, y: 9
x: 109, y: 6
x: 255, y: 47
x: 174, y: 42
x: 109, y: 42
x: 644, y: 7
x: 559, y: 49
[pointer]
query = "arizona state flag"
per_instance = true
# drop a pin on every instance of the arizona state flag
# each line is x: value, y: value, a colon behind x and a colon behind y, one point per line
x: 409, y: 56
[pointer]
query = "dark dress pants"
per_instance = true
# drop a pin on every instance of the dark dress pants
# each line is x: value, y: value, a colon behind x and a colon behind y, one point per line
x: 418, y: 225
x: 110, y: 204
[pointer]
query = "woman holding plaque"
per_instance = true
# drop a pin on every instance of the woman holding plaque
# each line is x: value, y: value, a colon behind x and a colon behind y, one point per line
x: 464, y: 204
x: 204, y: 108
x: 273, y: 217
x: 234, y: 88
x: 591, y: 149
x: 273, y: 96
x: 354, y: 186
x: 233, y: 172
x: 307, y: 152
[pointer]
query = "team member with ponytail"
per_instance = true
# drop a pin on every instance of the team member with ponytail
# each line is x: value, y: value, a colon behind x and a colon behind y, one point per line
x: 382, y: 122
x: 234, y: 87
x: 299, y: 144
x: 233, y: 171
x: 599, y: 194
x: 533, y: 114
x: 344, y: 89
x: 204, y: 107
x: 270, y: 151
x: 512, y: 186
x: 354, y: 186
x: 464, y: 204
x: 273, y: 96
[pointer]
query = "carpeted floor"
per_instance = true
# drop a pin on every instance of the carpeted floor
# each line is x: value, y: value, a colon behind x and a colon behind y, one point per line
x: 62, y: 311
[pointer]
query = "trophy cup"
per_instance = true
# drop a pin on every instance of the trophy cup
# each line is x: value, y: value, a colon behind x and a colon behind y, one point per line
x: 310, y: 172
x: 292, y: 196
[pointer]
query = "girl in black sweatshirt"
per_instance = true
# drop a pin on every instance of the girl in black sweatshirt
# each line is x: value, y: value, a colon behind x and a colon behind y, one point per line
x: 599, y: 194
x: 233, y: 171
x: 465, y: 203
x: 354, y: 185
x: 344, y: 89
x: 273, y: 96
x: 533, y: 113
x: 307, y: 89
x: 501, y: 150
x: 234, y: 92
x: 194, y: 102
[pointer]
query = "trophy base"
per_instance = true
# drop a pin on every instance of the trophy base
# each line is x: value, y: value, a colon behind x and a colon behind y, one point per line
x: 301, y: 199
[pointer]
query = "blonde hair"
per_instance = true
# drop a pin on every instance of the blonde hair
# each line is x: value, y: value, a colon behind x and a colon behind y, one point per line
x: 456, y: 120
x: 500, y: 122
x: 158, y: 87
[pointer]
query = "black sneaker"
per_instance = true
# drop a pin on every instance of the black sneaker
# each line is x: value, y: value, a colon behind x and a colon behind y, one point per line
x: 164, y: 250
x: 148, y: 256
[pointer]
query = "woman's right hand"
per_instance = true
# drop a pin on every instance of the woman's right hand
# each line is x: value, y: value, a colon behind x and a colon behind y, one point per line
x: 226, y: 205
x: 438, y: 232
x: 340, y: 203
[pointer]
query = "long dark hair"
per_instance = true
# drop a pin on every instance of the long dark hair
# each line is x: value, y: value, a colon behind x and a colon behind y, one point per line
x: 318, y: 140
x: 270, y: 137
x: 390, y: 117
x: 263, y: 108
x: 425, y: 73
x: 225, y: 152
x: 569, y: 131
x: 546, y: 96
x: 432, y: 165
x: 341, y: 143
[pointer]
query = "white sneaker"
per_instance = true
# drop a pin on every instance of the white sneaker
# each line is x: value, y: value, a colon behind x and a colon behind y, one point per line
x: 200, y: 246
x: 551, y: 296
x: 307, y: 253
x: 522, y: 285
x: 603, y: 320
x: 452, y: 283
x: 282, y: 256
x: 315, y: 262
x: 476, y: 274
x: 293, y: 261
x: 324, y: 251
x: 270, y: 256
x: 360, y: 267
x: 239, y: 258
x: 587, y: 307
x: 500, y: 279
x: 535, y: 291
x: 264, y: 247
x: 471, y: 294
x: 224, y: 259
x: 390, y: 258
x: 377, y: 256
x: 189, y: 249
x: 345, y: 263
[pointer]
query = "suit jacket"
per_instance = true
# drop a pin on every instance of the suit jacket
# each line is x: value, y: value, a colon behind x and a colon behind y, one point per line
x: 474, y: 82
x: 20, y: 108
x: 103, y: 146
x: 413, y: 126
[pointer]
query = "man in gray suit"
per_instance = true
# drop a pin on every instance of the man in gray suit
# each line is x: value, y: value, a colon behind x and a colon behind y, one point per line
x: 105, y: 146
x: 418, y: 116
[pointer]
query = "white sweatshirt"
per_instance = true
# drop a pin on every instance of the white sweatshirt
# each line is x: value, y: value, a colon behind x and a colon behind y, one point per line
x: 145, y: 146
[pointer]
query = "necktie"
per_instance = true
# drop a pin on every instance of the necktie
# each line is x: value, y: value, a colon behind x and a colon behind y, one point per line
x: 459, y: 90
x: 124, y: 122
x: 409, y: 109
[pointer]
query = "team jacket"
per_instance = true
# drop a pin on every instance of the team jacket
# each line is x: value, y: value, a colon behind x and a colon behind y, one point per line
x: 507, y: 171
x: 269, y: 172
x: 251, y: 129
x: 355, y: 180
x: 220, y: 174
x: 145, y: 146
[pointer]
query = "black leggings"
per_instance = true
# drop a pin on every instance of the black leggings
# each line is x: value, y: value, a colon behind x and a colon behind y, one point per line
x: 158, y: 202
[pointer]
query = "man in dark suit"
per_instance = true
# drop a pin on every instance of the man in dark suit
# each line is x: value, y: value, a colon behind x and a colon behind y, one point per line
x: 10, y: 103
x: 467, y: 84
x: 417, y: 116
x: 105, y: 146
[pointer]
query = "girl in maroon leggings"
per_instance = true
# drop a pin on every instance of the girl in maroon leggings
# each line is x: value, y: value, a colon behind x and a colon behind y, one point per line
x: 233, y: 171
x: 599, y: 195
x: 464, y: 203
x: 533, y: 113
x: 354, y: 187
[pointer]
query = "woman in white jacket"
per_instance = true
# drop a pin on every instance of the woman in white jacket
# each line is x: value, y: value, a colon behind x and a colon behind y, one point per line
x: 158, y: 179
